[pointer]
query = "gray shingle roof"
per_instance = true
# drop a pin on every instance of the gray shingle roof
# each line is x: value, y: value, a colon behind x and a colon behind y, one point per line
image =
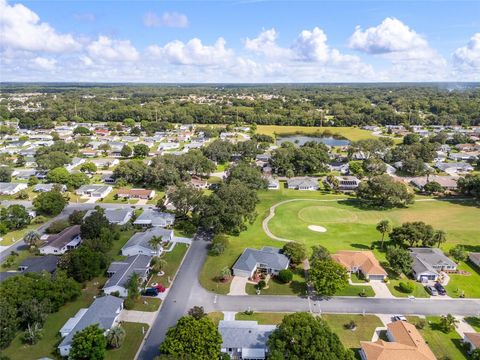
x: 122, y: 270
x: 113, y: 216
x: 64, y: 237
x: 244, y: 334
x: 268, y: 256
x: 103, y: 312
x: 155, y: 218
x: 40, y: 263
x: 425, y: 259
x: 142, y: 238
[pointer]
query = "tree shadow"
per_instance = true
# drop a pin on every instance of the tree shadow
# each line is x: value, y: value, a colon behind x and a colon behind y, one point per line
x: 360, y: 246
x: 458, y: 201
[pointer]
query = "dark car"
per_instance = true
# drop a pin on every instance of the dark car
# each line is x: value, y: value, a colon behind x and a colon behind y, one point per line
x: 150, y: 292
x: 441, y: 290
x: 431, y: 290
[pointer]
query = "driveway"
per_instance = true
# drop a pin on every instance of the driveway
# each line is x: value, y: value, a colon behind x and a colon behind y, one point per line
x: 463, y: 327
x: 381, y: 289
x: 237, y: 286
x: 144, y: 317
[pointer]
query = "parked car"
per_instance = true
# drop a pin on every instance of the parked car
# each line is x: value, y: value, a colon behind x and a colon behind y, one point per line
x: 431, y: 290
x: 441, y: 290
x: 399, y: 318
x: 150, y: 292
x: 160, y: 288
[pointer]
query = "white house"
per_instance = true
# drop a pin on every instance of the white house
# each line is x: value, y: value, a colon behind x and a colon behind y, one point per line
x: 303, y: 183
x: 154, y: 218
x: 115, y: 216
x: 268, y: 259
x: 428, y: 262
x: 60, y: 243
x: 139, y: 243
x: 119, y: 273
x: 104, y: 311
x: 93, y: 190
x: 11, y: 188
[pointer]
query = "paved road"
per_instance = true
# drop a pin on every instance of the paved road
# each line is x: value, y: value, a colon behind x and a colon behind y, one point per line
x: 187, y: 292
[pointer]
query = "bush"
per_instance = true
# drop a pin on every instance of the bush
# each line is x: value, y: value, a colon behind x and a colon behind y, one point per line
x: 39, y: 219
x: 128, y: 304
x: 421, y: 323
x: 285, y: 276
x: 261, y: 285
x: 57, y: 226
x: 350, y: 325
x: 406, y: 287
x: 219, y: 244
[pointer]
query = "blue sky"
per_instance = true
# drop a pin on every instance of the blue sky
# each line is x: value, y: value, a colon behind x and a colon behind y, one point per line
x: 240, y: 41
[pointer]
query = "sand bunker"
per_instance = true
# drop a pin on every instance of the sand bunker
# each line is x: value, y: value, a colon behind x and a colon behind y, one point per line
x: 317, y: 228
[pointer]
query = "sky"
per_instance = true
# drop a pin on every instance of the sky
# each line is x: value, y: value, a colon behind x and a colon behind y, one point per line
x: 240, y: 41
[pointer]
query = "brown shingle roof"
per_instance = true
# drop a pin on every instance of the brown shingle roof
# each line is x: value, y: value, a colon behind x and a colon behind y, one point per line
x: 64, y: 237
x: 365, y: 260
x: 474, y: 338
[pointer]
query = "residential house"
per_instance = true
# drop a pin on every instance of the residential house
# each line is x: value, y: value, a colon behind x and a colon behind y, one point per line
x: 109, y: 178
x: 341, y: 167
x: 273, y: 184
x: 244, y: 339
x: 89, y: 153
x: 467, y: 147
x: 119, y: 273
x: 115, y: 216
x: 347, y: 183
x: 60, y: 243
x: 429, y: 262
x: 104, y: 311
x: 446, y: 182
x: 474, y: 257
x: 75, y: 162
x: 154, y: 218
x: 198, y: 183
x: 105, y: 163
x: 461, y: 156
x: 302, y: 183
x: 11, y: 188
x: 363, y: 262
x: 473, y: 340
x: 454, y: 167
x: 93, y: 190
x: 405, y: 342
x: 48, y: 187
x: 39, y: 263
x: 24, y: 174
x: 136, y: 193
x: 268, y: 260
x: 139, y: 243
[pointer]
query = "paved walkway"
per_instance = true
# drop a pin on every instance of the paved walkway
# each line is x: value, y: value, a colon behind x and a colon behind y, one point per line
x: 145, y: 317
x: 463, y: 327
x: 237, y: 286
x: 229, y: 315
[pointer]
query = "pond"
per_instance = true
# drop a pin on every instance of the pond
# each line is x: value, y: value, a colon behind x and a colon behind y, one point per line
x: 299, y: 140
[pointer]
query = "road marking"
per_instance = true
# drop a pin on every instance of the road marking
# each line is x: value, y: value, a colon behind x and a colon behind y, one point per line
x: 215, y: 299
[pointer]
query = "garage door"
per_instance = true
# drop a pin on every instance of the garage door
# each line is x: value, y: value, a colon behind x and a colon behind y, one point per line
x: 376, y: 277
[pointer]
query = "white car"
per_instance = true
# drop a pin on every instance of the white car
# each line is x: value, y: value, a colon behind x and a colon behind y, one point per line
x: 399, y: 318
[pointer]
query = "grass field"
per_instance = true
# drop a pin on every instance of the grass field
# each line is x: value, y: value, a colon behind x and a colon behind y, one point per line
x: 348, y: 226
x: 418, y: 292
x: 352, y: 134
x: 173, y: 259
x: 467, y: 285
x: 134, y: 336
x: 296, y: 287
x: 47, y: 345
x: 146, y: 303
x: 444, y: 346
x: 355, y: 290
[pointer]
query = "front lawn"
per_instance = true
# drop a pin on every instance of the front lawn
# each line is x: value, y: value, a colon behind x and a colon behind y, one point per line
x: 146, y: 303
x: 263, y: 318
x: 110, y: 198
x: 444, y: 346
x: 469, y: 285
x: 12, y: 237
x: 419, y: 290
x: 46, y: 347
x: 366, y: 325
x: 215, y: 316
x: 355, y: 290
x: 116, y: 251
x: 173, y: 259
x: 134, y: 336
x: 296, y: 287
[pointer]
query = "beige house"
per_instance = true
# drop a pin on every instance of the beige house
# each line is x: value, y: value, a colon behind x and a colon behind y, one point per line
x: 361, y: 262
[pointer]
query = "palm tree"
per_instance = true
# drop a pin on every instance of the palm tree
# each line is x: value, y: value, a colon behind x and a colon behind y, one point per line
x: 115, y: 337
x: 448, y: 323
x: 31, y: 238
x: 439, y: 237
x: 156, y: 242
x: 384, y: 227
x: 158, y: 264
x: 132, y: 286
x: 225, y: 273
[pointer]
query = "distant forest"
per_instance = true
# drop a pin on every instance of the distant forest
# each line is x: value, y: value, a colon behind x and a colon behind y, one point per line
x: 306, y: 105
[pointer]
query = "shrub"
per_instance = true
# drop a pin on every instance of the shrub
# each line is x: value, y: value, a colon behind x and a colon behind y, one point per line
x: 39, y: 219
x: 406, y: 287
x: 129, y: 303
x: 57, y: 226
x: 285, y: 276
x: 261, y: 285
x: 421, y: 323
x: 115, y: 293
x: 350, y: 325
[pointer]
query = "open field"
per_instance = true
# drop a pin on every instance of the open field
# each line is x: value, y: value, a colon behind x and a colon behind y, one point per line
x: 348, y: 226
x: 350, y: 133
x: 444, y: 346
x: 47, y: 345
x: 134, y: 335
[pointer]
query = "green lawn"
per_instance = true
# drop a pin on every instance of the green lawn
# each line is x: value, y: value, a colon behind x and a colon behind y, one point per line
x: 12, y: 237
x: 115, y: 252
x: 173, y: 259
x: 275, y: 287
x: 22, y: 255
x: 134, y: 336
x: 474, y: 322
x: 366, y: 325
x: 350, y: 133
x: 215, y: 316
x: 146, y: 303
x: 355, y: 290
x: 263, y: 318
x: 444, y: 346
x: 47, y: 345
x: 418, y: 292
x: 348, y: 227
x: 110, y: 198
x: 462, y: 284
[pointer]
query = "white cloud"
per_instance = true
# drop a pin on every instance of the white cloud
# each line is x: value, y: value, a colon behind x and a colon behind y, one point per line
x: 468, y: 57
x: 265, y: 44
x: 312, y: 46
x: 167, y: 19
x: 106, y: 49
x: 21, y: 29
x: 44, y: 63
x: 192, y: 52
